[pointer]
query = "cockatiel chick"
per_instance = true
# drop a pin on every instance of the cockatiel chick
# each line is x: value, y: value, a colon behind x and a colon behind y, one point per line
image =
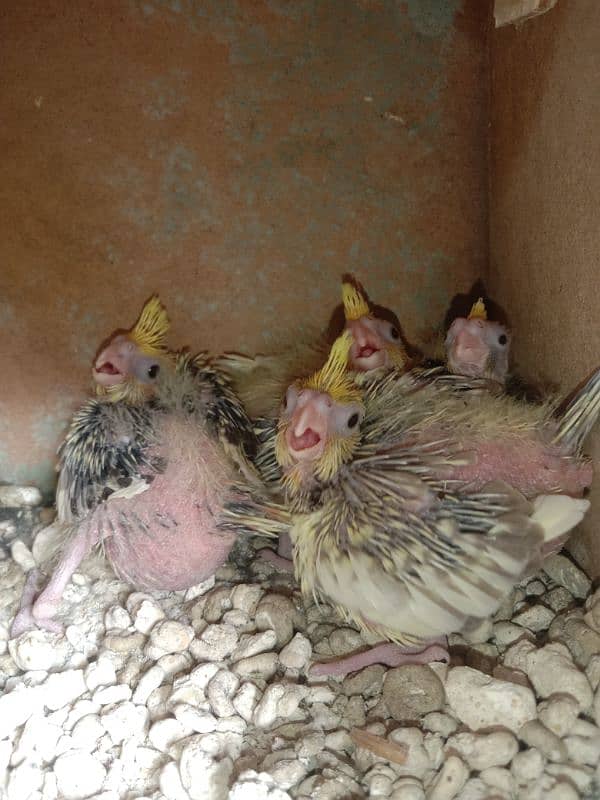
x: 477, y: 347
x: 146, y: 469
x: 378, y: 343
x: 416, y: 511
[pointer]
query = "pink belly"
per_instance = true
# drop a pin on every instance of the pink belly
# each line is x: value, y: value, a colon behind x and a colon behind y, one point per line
x: 166, y: 537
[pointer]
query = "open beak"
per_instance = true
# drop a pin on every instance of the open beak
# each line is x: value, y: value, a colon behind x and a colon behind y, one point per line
x: 368, y: 349
x: 308, y: 428
x: 109, y: 367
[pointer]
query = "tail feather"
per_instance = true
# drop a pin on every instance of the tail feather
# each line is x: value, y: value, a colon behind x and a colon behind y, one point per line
x: 580, y: 416
x: 557, y: 514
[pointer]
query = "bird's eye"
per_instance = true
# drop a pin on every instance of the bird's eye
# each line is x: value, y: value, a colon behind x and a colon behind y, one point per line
x: 353, y: 421
x: 394, y: 332
x: 502, y: 339
x: 153, y: 371
x: 284, y: 402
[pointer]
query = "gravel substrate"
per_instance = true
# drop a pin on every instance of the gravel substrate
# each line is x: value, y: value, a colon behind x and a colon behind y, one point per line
x: 205, y: 695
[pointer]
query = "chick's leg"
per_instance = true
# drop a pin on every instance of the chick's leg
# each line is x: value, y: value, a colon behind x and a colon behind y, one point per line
x: 24, y: 620
x: 283, y: 557
x: 46, y: 605
x: 39, y: 612
x: 392, y: 655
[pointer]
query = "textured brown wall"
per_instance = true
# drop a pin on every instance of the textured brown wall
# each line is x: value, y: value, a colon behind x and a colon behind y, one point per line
x: 235, y: 156
x: 545, y: 184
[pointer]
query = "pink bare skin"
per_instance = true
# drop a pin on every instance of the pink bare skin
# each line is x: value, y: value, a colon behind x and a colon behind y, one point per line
x: 164, y: 538
x: 478, y: 349
x: 530, y: 466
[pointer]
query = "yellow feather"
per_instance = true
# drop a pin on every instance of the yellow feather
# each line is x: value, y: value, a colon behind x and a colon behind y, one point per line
x: 151, y: 329
x: 354, y: 299
x: 478, y: 310
x: 334, y: 377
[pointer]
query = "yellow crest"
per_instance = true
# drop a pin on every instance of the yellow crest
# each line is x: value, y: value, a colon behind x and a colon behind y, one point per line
x: 478, y: 310
x: 150, y: 330
x: 354, y: 298
x: 333, y: 377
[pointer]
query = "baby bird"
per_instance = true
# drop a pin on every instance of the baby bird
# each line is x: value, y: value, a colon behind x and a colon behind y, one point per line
x: 415, y: 510
x: 477, y: 347
x: 377, y: 340
x: 378, y: 343
x: 146, y: 469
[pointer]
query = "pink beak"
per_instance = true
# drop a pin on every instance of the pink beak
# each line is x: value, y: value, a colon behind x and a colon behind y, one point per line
x: 368, y: 349
x: 309, y: 426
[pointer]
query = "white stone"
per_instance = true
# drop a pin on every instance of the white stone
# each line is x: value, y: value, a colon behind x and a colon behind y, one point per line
x: 476, y: 789
x: 100, y: 673
x: 199, y: 589
x: 499, y: 778
x: 87, y: 731
x: 251, y: 645
x: 125, y: 721
x: 263, y: 666
x: 50, y: 790
x: 22, y: 555
x: 296, y: 654
x: 583, y: 749
x: 170, y: 783
x: 534, y: 618
x: 24, y: 781
x: 438, y: 722
x: 551, y: 670
x: 288, y: 772
x: 39, y: 650
x: 481, y: 701
x: 78, y: 774
x: 527, y: 765
x: 145, y: 614
x: 257, y: 786
x: 80, y: 709
x: 19, y: 496
x: 116, y: 617
x: 481, y: 751
x: 450, y: 780
x: 106, y: 695
x: 562, y: 790
x: 579, y: 775
x: 63, y: 687
x: 559, y: 599
x: 39, y: 734
x: 197, y: 721
x: 279, y: 700
x: 215, y: 643
x: 174, y: 663
x: 246, y: 700
x: 558, y: 713
x: 203, y: 776
x: 246, y: 596
x: 220, y: 691
x: 565, y: 573
x: 505, y: 633
x: 214, y: 604
x: 149, y: 681
x: 418, y: 762
x: 407, y: 789
x: 239, y: 619
x: 597, y: 707
x: 535, y: 734
x: 165, y: 732
x: 277, y: 613
x: 169, y: 636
